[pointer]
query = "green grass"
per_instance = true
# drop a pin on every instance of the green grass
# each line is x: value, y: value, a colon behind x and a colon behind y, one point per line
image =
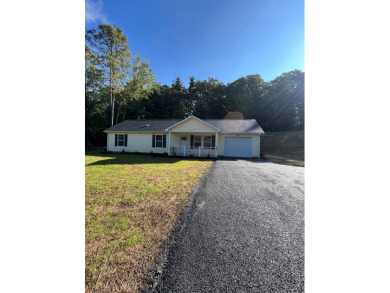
x: 132, y: 203
x: 284, y: 145
x: 285, y: 162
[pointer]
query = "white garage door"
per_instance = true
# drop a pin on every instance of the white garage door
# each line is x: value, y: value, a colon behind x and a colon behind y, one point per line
x: 238, y: 147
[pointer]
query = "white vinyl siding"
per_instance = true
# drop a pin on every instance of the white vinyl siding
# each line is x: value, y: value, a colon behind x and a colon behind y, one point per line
x: 142, y: 142
x: 136, y: 142
x: 192, y: 125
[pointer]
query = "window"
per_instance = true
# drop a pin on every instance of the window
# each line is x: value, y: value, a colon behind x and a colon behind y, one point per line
x: 159, y: 141
x: 207, y: 142
x: 197, y: 141
x: 121, y: 140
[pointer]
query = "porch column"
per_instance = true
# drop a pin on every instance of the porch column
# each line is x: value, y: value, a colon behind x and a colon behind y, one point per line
x: 216, y: 144
x: 169, y: 143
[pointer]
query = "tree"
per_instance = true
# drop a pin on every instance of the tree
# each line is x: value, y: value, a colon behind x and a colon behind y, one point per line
x: 94, y: 104
x: 286, y: 96
x: 141, y: 84
x: 190, y: 97
x: 176, y: 99
x: 164, y: 103
x: 243, y: 93
x: 209, y: 99
x: 109, y: 45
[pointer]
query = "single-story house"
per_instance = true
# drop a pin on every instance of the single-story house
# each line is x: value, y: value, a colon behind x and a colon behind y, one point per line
x: 189, y: 137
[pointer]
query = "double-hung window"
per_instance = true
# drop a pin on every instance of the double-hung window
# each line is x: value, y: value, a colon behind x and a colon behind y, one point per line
x: 197, y: 141
x: 121, y: 140
x: 159, y: 141
x: 207, y: 142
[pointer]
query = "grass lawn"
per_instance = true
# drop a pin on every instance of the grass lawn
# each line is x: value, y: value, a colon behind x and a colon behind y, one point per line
x: 132, y: 203
x: 285, y: 162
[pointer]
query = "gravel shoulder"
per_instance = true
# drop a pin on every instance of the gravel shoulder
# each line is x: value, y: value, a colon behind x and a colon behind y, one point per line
x: 243, y: 232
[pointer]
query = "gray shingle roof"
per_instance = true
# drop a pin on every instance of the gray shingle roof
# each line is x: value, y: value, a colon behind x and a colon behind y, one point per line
x: 236, y: 125
x: 140, y: 125
x: 159, y: 125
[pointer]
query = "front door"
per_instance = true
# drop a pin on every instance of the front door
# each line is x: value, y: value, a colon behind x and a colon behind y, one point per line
x: 183, y: 144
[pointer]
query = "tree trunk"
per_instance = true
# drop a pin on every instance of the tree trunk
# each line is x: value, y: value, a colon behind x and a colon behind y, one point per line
x: 112, y: 101
x: 117, y: 116
x: 112, y: 107
x: 124, y: 115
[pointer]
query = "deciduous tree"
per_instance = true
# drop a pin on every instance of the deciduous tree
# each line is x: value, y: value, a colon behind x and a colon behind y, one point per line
x: 109, y: 45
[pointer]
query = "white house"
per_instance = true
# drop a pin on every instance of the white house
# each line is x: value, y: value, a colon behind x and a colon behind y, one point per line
x: 189, y: 137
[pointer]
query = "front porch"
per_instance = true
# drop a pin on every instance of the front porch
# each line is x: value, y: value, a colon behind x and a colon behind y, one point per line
x: 193, y: 152
x: 194, y: 144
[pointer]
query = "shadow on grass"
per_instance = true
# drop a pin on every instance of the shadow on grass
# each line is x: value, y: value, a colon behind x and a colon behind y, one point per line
x: 133, y: 158
x: 126, y: 158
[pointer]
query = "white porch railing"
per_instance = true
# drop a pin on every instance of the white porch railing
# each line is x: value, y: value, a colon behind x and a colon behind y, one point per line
x: 186, y: 151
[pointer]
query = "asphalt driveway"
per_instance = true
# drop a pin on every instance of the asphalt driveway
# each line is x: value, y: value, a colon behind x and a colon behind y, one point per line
x: 243, y: 232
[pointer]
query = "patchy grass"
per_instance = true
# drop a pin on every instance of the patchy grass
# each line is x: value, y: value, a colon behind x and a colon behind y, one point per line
x: 285, y: 162
x: 132, y: 203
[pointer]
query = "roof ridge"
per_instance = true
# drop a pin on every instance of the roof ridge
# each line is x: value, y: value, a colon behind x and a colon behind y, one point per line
x: 226, y: 119
x: 151, y: 119
x: 184, y: 119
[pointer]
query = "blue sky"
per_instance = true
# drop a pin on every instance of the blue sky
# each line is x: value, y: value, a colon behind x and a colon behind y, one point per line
x: 223, y: 39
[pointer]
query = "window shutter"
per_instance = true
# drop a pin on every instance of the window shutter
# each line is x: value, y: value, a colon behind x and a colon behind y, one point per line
x: 125, y: 140
x: 164, y: 141
x: 213, y: 141
x: 116, y: 139
x: 192, y: 141
x: 153, y: 141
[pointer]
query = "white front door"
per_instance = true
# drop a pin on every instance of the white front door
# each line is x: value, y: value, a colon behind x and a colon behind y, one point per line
x: 183, y: 144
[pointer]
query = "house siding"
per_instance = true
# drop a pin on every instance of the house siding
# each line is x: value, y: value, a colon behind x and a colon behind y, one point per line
x: 136, y: 142
x: 192, y: 125
x: 142, y: 142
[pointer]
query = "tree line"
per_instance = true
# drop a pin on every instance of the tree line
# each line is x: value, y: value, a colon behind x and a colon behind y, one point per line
x: 120, y: 85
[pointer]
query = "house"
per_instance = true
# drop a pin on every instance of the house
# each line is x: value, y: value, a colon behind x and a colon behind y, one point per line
x: 189, y: 137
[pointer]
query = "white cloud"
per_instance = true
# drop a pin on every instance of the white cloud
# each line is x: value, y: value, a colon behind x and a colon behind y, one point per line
x: 94, y: 12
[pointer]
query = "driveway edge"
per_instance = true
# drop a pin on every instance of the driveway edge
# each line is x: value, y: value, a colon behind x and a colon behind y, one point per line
x: 156, y: 272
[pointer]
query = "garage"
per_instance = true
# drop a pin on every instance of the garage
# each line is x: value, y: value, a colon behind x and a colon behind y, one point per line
x: 238, y: 147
